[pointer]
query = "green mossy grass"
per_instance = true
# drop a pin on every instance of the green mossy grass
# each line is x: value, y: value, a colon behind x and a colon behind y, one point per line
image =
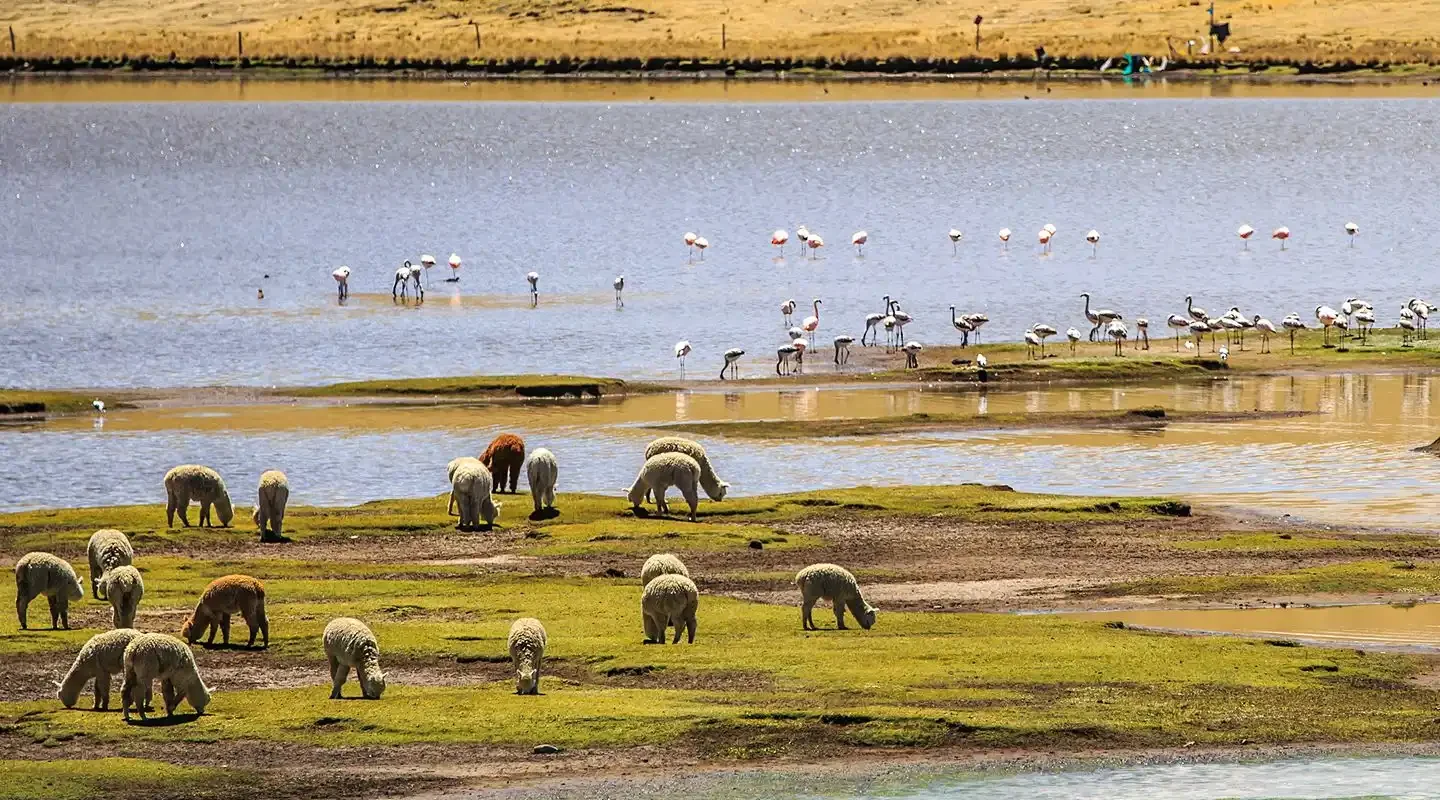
x: 754, y: 677
x: 22, y: 401
x: 1354, y: 578
x: 67, y: 779
x: 585, y: 522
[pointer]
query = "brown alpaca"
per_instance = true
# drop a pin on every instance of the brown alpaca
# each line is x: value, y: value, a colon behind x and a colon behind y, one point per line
x: 504, y: 457
x: 231, y: 594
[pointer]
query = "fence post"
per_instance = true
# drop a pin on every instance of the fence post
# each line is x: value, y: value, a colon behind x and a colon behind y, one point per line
x: 240, y: 44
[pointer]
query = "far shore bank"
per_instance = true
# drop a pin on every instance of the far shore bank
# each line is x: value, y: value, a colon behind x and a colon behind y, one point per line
x: 94, y: 80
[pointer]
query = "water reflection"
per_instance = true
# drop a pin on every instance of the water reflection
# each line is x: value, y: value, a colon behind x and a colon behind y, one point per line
x: 1415, y: 627
x: 1350, y: 464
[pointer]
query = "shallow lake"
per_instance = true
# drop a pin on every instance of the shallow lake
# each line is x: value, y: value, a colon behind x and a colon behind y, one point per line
x: 1298, y: 778
x: 138, y: 233
x: 1350, y: 462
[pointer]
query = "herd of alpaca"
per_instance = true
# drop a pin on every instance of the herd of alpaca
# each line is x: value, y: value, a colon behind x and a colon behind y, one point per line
x: 669, y: 598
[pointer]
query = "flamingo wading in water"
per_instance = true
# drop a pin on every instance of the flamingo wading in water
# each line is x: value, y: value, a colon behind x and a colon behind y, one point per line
x: 682, y: 349
x: 732, y: 356
x: 1245, y: 232
x: 812, y: 322
x: 859, y: 240
x: 342, y: 278
x: 1098, y: 317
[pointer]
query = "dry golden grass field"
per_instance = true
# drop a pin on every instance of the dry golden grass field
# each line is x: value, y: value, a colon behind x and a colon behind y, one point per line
x: 335, y: 31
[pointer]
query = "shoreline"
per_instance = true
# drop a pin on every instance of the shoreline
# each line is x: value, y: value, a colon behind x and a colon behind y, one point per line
x: 893, y: 70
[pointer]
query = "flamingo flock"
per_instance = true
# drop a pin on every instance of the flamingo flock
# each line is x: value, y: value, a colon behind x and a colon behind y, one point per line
x: 1104, y: 324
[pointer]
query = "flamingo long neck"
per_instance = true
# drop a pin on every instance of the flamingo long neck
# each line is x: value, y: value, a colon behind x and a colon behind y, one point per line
x: 952, y: 315
x: 1087, y: 306
x: 816, y: 306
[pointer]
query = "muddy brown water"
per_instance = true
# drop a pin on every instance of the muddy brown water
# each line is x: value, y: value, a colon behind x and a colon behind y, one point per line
x: 1396, y: 626
x: 1350, y: 463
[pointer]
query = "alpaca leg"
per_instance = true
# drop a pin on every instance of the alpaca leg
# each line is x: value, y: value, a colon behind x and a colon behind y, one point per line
x: 205, y: 514
x: 342, y: 674
x: 807, y: 621
x: 170, y: 508
x: 692, y: 498
x: 651, y: 634
x: 127, y: 694
x: 102, y: 692
x: 679, y: 629
x: 839, y: 615
x: 690, y: 625
x: 182, y: 507
x: 225, y: 628
x: 172, y: 698
x: 335, y: 682
x: 54, y: 612
x: 251, y: 623
x: 21, y: 604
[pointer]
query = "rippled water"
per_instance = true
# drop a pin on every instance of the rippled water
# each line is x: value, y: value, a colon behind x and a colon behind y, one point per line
x: 136, y: 234
x: 1350, y: 462
x: 1408, y: 778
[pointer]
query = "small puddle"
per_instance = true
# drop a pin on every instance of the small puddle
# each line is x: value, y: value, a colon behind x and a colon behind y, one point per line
x: 1364, y: 625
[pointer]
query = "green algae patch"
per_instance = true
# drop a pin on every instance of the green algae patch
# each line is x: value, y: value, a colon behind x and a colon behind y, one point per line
x: 1363, y: 577
x: 481, y: 387
x: 20, y: 401
x: 1150, y: 417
